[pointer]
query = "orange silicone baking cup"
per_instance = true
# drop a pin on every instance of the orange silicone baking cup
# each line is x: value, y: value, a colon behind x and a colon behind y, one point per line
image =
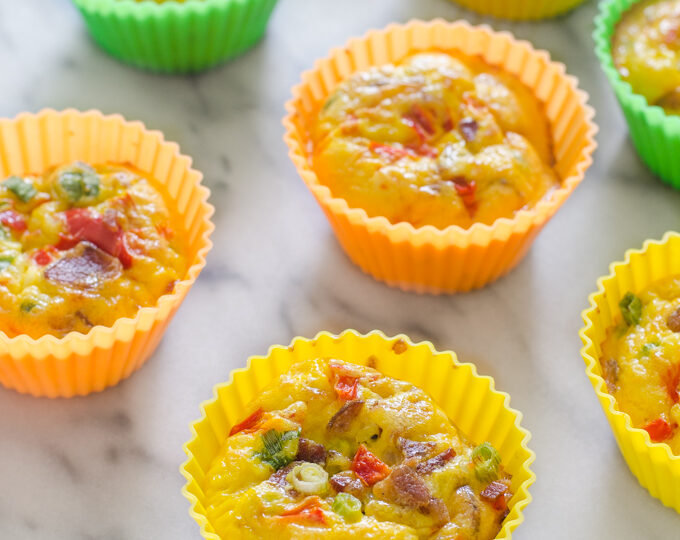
x: 79, y: 364
x: 427, y: 259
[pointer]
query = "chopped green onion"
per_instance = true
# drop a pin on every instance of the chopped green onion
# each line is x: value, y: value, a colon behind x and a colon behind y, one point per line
x: 6, y: 261
x: 309, y: 478
x: 27, y: 306
x: 486, y: 460
x: 648, y: 347
x: 279, y: 449
x: 22, y: 190
x: 78, y: 182
x: 631, y: 309
x: 347, y: 506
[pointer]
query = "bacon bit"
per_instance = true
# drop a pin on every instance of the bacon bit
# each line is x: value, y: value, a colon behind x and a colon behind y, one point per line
x: 467, y: 192
x: 347, y: 482
x: 347, y: 387
x: 247, y: 424
x: 659, y: 430
x: 671, y: 380
x: 311, y: 451
x: 13, y: 220
x: 414, y: 448
x: 495, y: 494
x: 468, y: 128
x: 308, y: 510
x: 673, y: 321
x: 42, y: 257
x: 342, y: 420
x: 368, y: 467
x: 448, y: 123
x: 437, y: 462
x: 387, y: 151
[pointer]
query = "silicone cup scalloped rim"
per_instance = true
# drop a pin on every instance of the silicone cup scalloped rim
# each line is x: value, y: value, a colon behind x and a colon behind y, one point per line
x: 99, y: 332
x: 523, y: 494
x: 610, y: 12
x: 478, y: 233
x: 150, y: 9
x: 592, y: 359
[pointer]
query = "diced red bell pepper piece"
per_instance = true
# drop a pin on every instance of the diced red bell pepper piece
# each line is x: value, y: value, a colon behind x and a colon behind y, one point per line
x: 467, y: 192
x: 13, y: 219
x: 347, y: 387
x: 422, y: 122
x: 369, y: 467
x: 42, y: 257
x: 308, y: 510
x: 387, y: 151
x: 495, y: 494
x: 671, y: 380
x: 659, y: 430
x: 66, y: 241
x: 248, y: 423
x: 83, y: 224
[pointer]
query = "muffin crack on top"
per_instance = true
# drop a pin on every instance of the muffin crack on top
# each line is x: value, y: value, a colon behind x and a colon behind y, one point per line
x: 437, y: 139
x: 335, y: 449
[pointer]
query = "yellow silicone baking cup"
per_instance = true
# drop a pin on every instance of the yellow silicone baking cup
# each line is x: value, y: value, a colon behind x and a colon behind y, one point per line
x: 653, y: 464
x: 453, y: 259
x: 79, y: 364
x: 520, y: 10
x: 470, y: 400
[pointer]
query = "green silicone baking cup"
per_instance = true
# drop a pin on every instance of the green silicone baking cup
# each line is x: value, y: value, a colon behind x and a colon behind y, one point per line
x: 655, y: 135
x: 175, y: 37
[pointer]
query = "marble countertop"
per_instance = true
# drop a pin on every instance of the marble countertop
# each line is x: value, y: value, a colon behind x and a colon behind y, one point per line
x: 106, y: 467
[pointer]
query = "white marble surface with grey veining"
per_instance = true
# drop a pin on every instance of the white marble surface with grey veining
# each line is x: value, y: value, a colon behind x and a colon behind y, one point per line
x: 106, y: 467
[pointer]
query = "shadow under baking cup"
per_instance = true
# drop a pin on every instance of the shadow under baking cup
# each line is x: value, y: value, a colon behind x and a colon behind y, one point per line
x: 520, y: 10
x: 426, y: 259
x: 470, y: 401
x: 655, y: 134
x: 653, y: 464
x: 79, y: 364
x: 175, y: 37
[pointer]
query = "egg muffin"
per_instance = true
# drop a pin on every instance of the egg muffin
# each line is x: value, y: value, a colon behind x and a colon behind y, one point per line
x: 81, y: 246
x: 646, y: 51
x: 641, y: 360
x: 436, y: 139
x: 337, y: 450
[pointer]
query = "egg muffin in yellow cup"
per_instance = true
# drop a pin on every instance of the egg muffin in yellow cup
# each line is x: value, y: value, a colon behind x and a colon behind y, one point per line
x: 104, y: 227
x: 349, y: 436
x: 438, y: 150
x: 520, y: 10
x: 631, y: 342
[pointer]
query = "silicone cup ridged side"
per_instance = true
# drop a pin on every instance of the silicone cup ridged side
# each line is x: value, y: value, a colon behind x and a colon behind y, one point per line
x: 447, y: 260
x: 655, y: 135
x: 653, y: 464
x: 520, y: 10
x: 470, y: 400
x: 78, y: 364
x: 176, y: 37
